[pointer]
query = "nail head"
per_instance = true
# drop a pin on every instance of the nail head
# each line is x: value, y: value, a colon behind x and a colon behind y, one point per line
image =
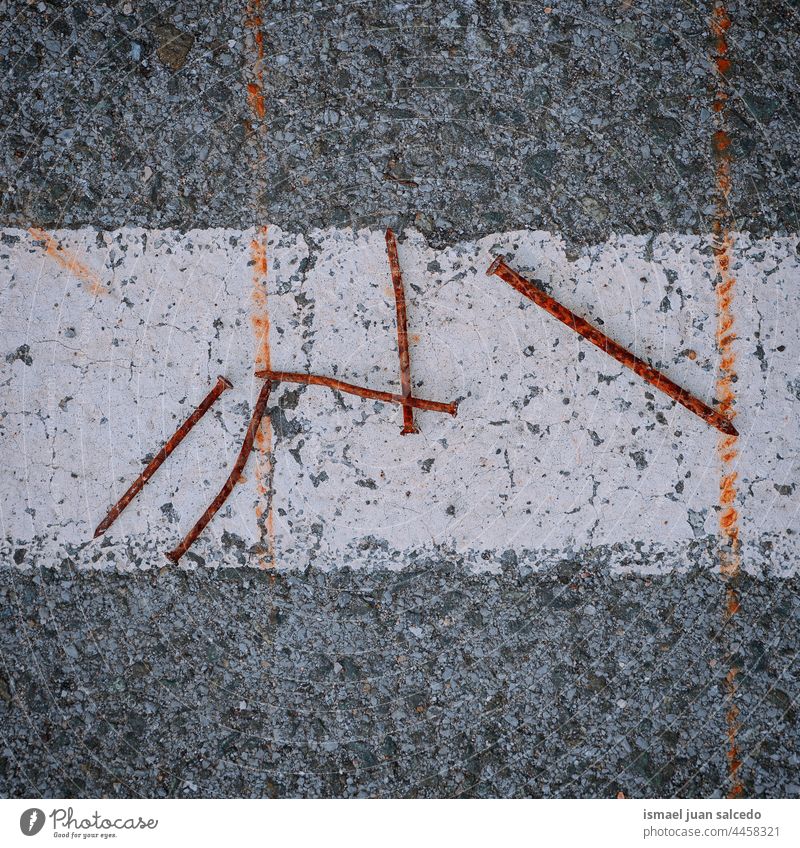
x: 498, y: 261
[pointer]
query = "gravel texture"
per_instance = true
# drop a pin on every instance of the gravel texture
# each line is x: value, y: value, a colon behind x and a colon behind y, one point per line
x: 422, y: 683
x: 463, y: 118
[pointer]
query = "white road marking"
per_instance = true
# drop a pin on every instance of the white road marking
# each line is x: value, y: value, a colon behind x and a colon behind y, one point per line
x: 557, y: 450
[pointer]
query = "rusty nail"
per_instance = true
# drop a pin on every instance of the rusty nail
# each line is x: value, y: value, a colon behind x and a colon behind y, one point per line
x: 601, y: 340
x: 361, y: 391
x: 233, y: 477
x: 402, y: 332
x: 154, y: 464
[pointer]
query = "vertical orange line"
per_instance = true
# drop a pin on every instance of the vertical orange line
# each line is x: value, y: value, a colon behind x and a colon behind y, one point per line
x: 255, y: 86
x: 259, y: 317
x: 730, y: 560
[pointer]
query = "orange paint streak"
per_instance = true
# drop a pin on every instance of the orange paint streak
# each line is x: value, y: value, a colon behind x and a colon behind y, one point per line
x: 255, y: 100
x: 721, y: 141
x: 255, y: 88
x: 723, y: 65
x: 259, y: 317
x: 730, y: 559
x: 91, y: 280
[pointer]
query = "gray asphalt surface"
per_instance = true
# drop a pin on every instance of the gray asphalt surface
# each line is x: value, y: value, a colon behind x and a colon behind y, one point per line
x: 425, y: 683
x: 594, y: 118
x: 459, y: 119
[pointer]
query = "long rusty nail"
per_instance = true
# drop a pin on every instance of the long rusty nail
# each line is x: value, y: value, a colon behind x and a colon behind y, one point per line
x: 402, y: 332
x: 154, y: 464
x: 233, y: 477
x: 621, y: 354
x: 361, y: 391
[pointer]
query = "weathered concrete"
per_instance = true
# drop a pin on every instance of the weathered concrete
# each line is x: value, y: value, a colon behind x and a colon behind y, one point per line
x: 557, y: 450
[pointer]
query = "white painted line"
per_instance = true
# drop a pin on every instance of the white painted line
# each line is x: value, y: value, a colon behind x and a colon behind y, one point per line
x: 557, y: 450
